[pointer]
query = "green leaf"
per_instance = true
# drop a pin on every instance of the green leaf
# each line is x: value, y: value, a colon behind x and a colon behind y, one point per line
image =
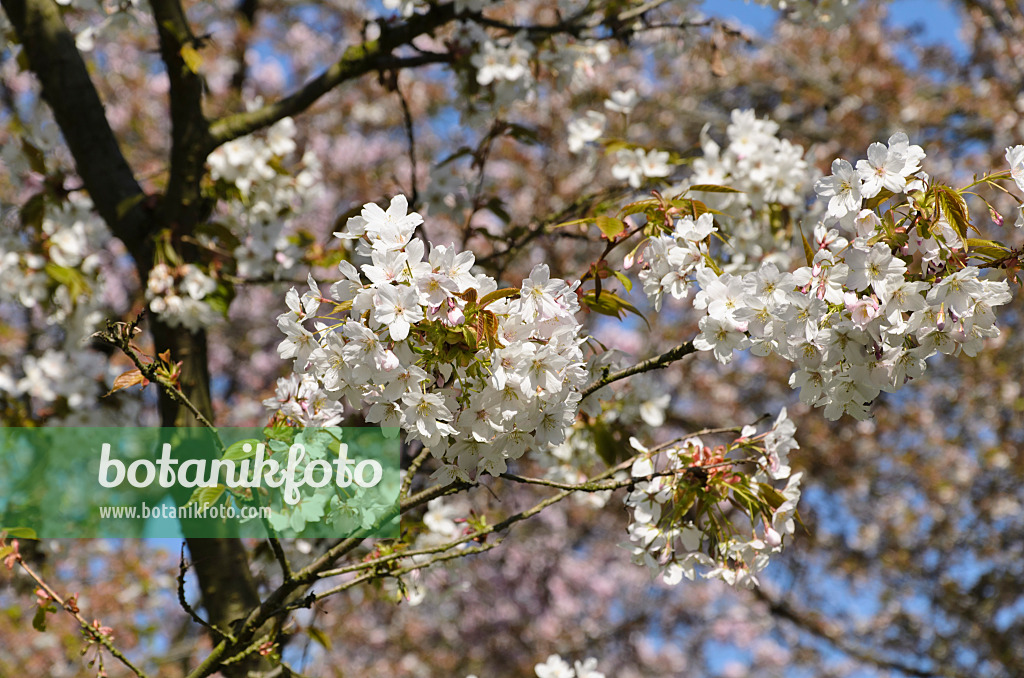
x: 978, y: 242
x: 19, y: 532
x: 521, y: 133
x: 280, y: 432
x: 36, y: 158
x: 497, y: 294
x: 497, y: 207
x: 39, y: 620
x: 954, y: 208
x: 193, y: 60
x: 71, y: 278
x: 573, y: 222
x: 206, y: 496
x: 221, y: 232
x: 638, y: 207
x: 808, y: 250
x: 624, y: 279
x: 697, y: 208
x: 220, y: 299
x: 610, y: 304
x: 604, y: 443
x: 321, y: 638
x: 770, y: 495
x: 878, y: 199
x: 236, y: 451
x: 714, y: 188
x: 610, y: 226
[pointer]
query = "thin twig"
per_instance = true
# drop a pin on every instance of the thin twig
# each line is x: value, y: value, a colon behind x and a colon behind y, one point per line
x: 655, y: 363
x: 90, y: 630
x: 119, y: 335
x: 183, y: 602
x: 469, y: 551
x: 410, y: 135
x: 282, y: 559
x: 414, y: 466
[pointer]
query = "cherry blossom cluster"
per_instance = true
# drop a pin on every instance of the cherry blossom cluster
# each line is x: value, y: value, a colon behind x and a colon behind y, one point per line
x: 865, y: 313
x: 676, y: 529
x: 55, y: 374
x: 496, y: 61
x: 504, y: 71
x: 669, y: 261
x: 478, y: 375
x: 57, y: 266
x: 300, y: 398
x: 263, y: 197
x: 770, y: 175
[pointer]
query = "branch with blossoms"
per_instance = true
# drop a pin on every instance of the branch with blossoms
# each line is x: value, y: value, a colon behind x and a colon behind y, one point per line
x: 395, y: 561
x: 864, y: 313
x: 47, y: 597
x: 479, y: 374
x: 160, y: 371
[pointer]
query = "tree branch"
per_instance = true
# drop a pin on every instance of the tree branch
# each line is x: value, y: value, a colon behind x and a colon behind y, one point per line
x: 357, y: 61
x: 190, y: 133
x: 655, y: 363
x: 817, y: 627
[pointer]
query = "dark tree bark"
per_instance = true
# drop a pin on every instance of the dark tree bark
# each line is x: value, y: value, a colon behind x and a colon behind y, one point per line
x: 221, y: 564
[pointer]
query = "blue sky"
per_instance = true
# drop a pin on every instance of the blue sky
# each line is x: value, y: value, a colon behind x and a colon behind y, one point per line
x: 937, y: 18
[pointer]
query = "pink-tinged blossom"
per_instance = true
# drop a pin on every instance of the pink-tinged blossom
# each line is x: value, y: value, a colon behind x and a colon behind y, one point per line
x: 862, y: 309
